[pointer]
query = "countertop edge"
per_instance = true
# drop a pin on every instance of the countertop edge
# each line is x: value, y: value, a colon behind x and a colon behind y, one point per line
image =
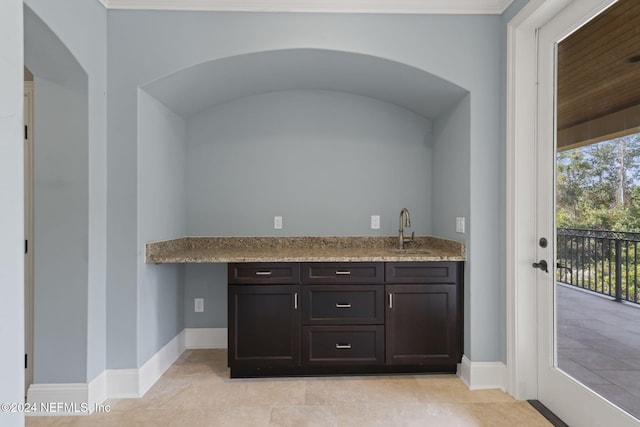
x: 187, y: 250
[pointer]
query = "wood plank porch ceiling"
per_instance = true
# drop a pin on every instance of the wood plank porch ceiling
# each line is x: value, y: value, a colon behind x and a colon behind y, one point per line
x: 599, y: 78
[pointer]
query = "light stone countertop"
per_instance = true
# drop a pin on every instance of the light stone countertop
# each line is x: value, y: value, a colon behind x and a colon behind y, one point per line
x: 302, y: 249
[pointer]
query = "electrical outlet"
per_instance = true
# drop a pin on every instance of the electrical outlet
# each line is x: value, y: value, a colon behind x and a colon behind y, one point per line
x: 198, y: 305
x: 460, y: 224
x: 375, y: 222
x: 277, y: 222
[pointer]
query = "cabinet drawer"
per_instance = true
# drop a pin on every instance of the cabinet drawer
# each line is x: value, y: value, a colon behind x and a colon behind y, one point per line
x: 343, y: 304
x: 342, y: 345
x: 264, y: 273
x: 421, y: 272
x: 349, y: 272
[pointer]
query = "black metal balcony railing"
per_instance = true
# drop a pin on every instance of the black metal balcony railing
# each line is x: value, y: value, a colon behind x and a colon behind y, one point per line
x: 605, y: 262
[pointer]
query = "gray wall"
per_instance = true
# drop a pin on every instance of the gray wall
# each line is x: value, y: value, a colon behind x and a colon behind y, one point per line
x: 326, y: 161
x: 81, y: 35
x: 60, y: 231
x: 60, y: 206
x: 12, y: 212
x: 162, y: 207
x: 462, y: 49
x: 450, y: 171
x: 511, y: 11
x: 451, y: 182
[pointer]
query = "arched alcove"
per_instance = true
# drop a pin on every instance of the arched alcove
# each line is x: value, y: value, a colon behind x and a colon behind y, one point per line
x: 321, y: 137
x: 202, y: 86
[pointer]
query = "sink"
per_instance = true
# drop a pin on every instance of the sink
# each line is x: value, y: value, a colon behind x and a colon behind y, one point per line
x: 413, y: 251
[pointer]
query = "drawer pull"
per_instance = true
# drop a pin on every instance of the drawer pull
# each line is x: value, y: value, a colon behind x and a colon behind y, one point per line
x: 263, y: 273
x: 339, y: 305
x: 343, y: 346
x: 343, y: 273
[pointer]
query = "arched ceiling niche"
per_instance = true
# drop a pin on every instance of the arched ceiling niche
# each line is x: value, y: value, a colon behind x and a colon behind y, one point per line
x: 46, y: 56
x: 203, y: 86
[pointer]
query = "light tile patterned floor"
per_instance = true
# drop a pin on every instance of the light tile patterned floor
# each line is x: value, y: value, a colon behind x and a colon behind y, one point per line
x: 599, y: 345
x: 197, y: 391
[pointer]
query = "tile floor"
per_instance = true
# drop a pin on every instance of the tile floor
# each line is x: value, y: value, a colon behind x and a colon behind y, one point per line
x: 599, y: 345
x: 197, y: 391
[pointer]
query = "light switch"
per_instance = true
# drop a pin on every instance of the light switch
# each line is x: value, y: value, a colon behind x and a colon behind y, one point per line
x: 277, y: 222
x: 460, y: 224
x: 375, y: 222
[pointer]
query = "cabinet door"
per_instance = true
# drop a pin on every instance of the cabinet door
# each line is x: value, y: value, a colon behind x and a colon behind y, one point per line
x: 422, y: 325
x: 264, y: 325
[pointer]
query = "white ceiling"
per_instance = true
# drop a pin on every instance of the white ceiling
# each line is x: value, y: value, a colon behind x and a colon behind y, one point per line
x: 203, y: 86
x: 321, y: 6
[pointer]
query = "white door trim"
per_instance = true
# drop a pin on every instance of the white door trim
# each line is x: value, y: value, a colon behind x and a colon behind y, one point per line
x: 522, y: 359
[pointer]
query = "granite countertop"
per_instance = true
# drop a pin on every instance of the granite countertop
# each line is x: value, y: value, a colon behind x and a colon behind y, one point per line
x: 302, y: 249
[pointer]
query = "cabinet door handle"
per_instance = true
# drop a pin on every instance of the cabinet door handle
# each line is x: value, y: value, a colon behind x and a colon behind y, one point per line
x: 339, y: 305
x: 390, y: 300
x: 263, y: 273
x: 295, y: 301
x: 343, y: 346
x: 343, y: 273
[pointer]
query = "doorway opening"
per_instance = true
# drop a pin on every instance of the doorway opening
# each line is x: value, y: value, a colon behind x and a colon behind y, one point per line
x: 28, y: 230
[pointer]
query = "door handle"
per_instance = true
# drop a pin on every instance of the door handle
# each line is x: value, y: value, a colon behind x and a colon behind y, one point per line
x: 542, y: 265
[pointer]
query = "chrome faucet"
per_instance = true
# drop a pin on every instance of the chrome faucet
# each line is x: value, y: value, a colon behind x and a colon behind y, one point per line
x: 407, y: 223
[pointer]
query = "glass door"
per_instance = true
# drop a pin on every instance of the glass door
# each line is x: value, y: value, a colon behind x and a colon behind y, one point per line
x: 566, y: 363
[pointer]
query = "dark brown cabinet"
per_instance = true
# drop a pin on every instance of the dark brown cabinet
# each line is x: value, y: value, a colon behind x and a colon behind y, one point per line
x: 264, y: 325
x: 343, y: 272
x: 423, y: 324
x: 342, y: 314
x: 332, y: 318
x: 345, y: 345
x: 343, y: 304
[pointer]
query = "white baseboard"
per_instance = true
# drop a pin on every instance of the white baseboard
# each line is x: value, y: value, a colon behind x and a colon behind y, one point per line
x: 85, y: 398
x: 134, y: 383
x: 97, y: 391
x: 205, y: 338
x: 153, y: 369
x: 58, y: 399
x: 122, y: 383
x: 482, y: 375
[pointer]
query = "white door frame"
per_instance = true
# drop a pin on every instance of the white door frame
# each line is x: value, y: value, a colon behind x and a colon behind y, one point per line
x: 522, y: 345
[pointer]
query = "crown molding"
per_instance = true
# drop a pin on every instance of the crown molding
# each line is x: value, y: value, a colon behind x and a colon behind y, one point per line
x: 320, y: 6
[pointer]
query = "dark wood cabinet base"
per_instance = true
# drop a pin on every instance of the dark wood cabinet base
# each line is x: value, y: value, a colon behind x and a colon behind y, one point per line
x: 315, y: 371
x: 313, y: 319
